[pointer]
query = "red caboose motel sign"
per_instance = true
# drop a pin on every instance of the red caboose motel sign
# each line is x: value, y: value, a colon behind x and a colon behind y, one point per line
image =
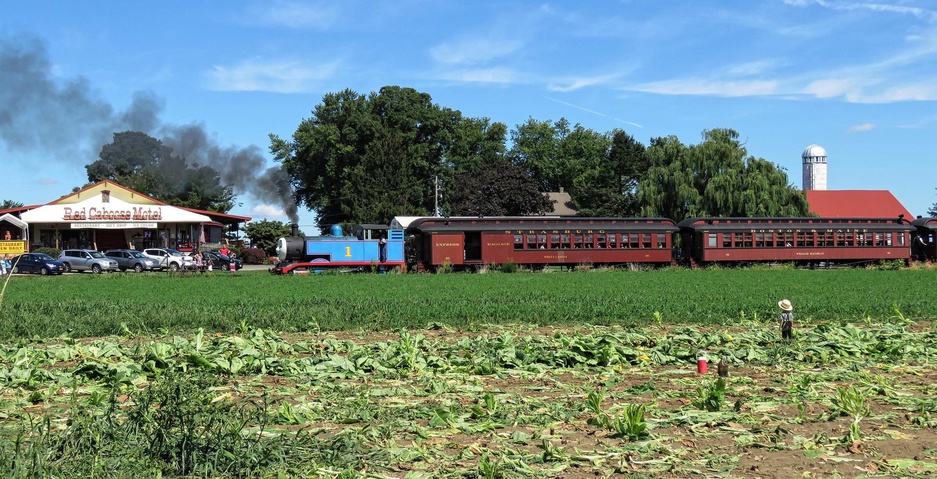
x: 136, y: 213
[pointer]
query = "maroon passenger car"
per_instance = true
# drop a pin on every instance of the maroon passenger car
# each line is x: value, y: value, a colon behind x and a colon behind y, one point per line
x: 536, y: 241
x: 803, y: 241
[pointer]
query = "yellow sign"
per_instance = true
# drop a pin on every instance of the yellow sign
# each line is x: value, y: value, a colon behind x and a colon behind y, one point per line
x: 12, y: 247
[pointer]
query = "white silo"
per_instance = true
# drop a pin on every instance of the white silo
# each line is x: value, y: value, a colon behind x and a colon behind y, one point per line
x: 814, y: 157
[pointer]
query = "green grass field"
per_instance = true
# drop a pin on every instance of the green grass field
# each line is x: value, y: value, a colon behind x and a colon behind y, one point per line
x: 554, y: 375
x: 99, y: 305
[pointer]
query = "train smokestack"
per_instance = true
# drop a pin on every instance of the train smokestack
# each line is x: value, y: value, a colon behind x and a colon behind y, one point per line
x: 294, y: 229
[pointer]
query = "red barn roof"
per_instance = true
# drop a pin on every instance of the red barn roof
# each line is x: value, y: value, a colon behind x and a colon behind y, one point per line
x: 856, y: 204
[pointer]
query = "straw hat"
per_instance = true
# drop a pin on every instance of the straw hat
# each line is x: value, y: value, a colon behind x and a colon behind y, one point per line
x: 785, y: 304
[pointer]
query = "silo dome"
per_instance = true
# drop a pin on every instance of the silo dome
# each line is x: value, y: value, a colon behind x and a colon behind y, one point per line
x: 813, y: 151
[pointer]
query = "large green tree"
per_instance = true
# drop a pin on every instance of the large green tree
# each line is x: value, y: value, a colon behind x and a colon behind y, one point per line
x: 575, y: 159
x: 714, y: 178
x: 143, y: 163
x: 608, y: 187
x: 475, y: 143
x: 497, y: 188
x: 368, y: 158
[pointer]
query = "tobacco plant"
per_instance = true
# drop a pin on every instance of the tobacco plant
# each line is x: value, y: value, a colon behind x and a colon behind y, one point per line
x: 631, y: 424
x: 711, y: 397
x: 851, y: 402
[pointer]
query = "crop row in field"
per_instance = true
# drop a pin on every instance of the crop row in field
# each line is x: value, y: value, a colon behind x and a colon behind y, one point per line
x: 101, y: 305
x: 844, y: 400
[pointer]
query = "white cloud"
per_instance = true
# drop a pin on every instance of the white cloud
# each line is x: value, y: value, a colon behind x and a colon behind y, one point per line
x: 294, y: 14
x: 481, y: 75
x: 279, y: 77
x: 266, y: 211
x: 473, y: 51
x: 831, y: 87
x: 751, y: 68
x: 862, y: 127
x: 913, y: 92
x: 727, y: 88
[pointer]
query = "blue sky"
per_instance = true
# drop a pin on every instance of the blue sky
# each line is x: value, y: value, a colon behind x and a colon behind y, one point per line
x: 858, y: 78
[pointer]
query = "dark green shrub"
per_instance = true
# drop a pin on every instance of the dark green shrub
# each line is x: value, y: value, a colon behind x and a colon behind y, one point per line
x: 253, y: 256
x: 509, y: 267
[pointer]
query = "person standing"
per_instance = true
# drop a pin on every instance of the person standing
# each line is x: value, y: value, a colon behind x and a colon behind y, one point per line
x: 786, y: 319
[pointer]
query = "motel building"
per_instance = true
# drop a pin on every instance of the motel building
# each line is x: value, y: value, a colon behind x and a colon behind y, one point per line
x: 106, y: 216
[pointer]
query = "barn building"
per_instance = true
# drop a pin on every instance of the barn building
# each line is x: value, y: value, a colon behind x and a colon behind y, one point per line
x: 844, y: 203
x: 856, y: 204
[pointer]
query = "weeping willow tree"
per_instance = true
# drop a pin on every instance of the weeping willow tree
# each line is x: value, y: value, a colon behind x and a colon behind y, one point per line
x: 714, y: 178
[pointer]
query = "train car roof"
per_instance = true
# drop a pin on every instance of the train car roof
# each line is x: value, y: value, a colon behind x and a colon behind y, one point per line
x: 746, y: 224
x: 405, y: 221
x: 929, y: 223
x: 500, y: 223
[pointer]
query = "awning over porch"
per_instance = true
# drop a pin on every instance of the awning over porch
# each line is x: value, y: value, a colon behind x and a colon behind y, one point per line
x: 111, y: 216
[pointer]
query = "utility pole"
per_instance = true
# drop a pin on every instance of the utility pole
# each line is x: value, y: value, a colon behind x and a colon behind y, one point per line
x: 436, y: 198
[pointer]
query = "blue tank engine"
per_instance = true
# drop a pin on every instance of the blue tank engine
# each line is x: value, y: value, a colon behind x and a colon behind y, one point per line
x: 369, y: 246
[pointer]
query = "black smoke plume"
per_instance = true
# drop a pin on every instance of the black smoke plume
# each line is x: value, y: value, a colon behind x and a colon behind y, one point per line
x: 64, y: 120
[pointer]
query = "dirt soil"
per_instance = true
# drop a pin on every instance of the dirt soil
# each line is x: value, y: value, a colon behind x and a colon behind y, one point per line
x: 764, y: 428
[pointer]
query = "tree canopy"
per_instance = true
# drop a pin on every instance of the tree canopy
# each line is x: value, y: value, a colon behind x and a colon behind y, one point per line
x: 265, y: 233
x: 7, y: 204
x: 714, y: 178
x: 497, y: 188
x: 143, y: 163
x: 600, y: 171
x: 369, y: 158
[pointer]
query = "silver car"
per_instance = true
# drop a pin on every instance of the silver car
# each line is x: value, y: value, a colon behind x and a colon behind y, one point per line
x: 132, y: 259
x: 86, y: 260
x: 171, y: 259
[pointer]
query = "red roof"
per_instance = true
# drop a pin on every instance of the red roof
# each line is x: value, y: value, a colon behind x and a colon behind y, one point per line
x: 856, y: 204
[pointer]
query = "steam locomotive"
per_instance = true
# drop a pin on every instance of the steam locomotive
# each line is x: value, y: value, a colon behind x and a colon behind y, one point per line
x: 370, y: 246
x: 467, y: 243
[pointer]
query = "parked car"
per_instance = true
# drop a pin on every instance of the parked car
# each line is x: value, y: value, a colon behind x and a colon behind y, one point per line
x: 86, y: 260
x: 222, y: 261
x: 37, y: 263
x: 169, y: 258
x: 132, y: 259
